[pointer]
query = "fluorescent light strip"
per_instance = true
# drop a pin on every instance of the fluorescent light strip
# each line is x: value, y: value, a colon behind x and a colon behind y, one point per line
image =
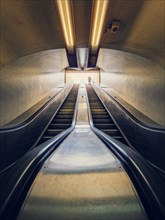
x: 95, y: 24
x: 66, y: 20
x: 100, y: 9
x: 68, y: 17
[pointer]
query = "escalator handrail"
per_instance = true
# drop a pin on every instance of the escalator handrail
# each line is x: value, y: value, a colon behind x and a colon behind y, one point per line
x: 114, y: 121
x: 76, y: 108
x: 20, y: 125
x: 146, y: 179
x: 19, y: 178
x: 23, y: 171
x: 155, y: 128
x: 73, y: 121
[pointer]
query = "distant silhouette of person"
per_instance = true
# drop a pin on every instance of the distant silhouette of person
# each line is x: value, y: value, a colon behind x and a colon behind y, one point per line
x: 89, y: 80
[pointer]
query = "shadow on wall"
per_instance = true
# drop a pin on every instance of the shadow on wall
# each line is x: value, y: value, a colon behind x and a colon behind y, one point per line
x: 29, y: 79
x: 137, y: 80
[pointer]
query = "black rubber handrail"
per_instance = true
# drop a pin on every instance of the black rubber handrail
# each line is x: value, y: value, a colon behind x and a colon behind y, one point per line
x: 147, y: 181
x: 20, y: 177
x: 15, y: 136
x: 148, y: 141
x: 132, y: 117
x: 15, y: 184
x: 37, y: 141
x: 33, y: 116
x: 114, y: 121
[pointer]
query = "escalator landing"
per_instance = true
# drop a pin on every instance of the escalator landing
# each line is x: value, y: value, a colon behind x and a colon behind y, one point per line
x: 82, y: 180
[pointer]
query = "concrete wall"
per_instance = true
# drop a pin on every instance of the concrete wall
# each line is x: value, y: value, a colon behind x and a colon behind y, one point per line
x: 29, y: 79
x: 137, y: 80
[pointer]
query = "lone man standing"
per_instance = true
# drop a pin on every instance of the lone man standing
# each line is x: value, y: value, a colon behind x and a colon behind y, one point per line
x: 89, y: 80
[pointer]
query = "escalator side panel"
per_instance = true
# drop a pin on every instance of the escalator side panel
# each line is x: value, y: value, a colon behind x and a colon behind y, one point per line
x: 63, y: 119
x: 101, y: 118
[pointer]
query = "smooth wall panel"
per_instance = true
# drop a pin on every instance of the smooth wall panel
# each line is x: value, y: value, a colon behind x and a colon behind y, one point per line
x: 137, y: 80
x: 28, y: 80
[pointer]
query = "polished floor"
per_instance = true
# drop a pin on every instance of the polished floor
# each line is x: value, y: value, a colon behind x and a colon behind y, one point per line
x: 82, y: 180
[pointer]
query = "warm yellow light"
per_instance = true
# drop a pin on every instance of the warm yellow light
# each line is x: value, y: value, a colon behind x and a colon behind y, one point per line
x: 66, y: 20
x: 100, y: 8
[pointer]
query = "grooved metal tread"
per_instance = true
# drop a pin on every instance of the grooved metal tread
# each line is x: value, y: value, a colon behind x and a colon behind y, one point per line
x: 63, y: 118
x: 101, y: 118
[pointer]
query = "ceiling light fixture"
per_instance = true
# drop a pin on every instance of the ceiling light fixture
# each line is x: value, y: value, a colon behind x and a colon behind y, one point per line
x: 64, y: 8
x: 98, y: 18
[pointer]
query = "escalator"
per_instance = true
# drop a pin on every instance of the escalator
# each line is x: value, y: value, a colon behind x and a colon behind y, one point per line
x: 22, y: 174
x: 80, y: 180
x: 63, y: 119
x: 101, y: 118
x: 86, y: 177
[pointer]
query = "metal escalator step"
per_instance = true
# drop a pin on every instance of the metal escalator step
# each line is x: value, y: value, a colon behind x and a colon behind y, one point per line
x: 105, y: 126
x: 92, y: 104
x: 102, y: 121
x: 101, y: 118
x: 64, y: 116
x: 95, y: 100
x: 106, y: 116
x: 100, y: 114
x: 68, y: 103
x: 111, y: 132
x: 62, y: 120
x: 98, y: 111
x: 53, y: 132
x: 68, y: 107
x: 66, y: 110
x: 65, y: 113
x: 97, y: 107
x: 59, y: 126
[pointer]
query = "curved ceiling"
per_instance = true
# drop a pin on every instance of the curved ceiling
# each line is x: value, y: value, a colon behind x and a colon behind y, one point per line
x: 31, y: 26
x: 142, y: 29
x: 28, y: 27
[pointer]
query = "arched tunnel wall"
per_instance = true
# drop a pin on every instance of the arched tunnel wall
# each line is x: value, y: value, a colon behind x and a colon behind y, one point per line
x: 29, y: 79
x: 137, y: 80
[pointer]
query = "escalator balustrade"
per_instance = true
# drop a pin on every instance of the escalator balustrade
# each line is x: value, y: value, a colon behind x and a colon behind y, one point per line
x: 101, y: 118
x: 63, y: 119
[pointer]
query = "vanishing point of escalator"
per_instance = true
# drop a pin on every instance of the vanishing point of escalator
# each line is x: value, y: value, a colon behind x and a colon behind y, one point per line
x: 101, y: 118
x: 63, y: 119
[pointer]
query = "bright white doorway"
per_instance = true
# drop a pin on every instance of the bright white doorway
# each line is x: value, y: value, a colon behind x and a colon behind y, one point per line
x: 82, y: 76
